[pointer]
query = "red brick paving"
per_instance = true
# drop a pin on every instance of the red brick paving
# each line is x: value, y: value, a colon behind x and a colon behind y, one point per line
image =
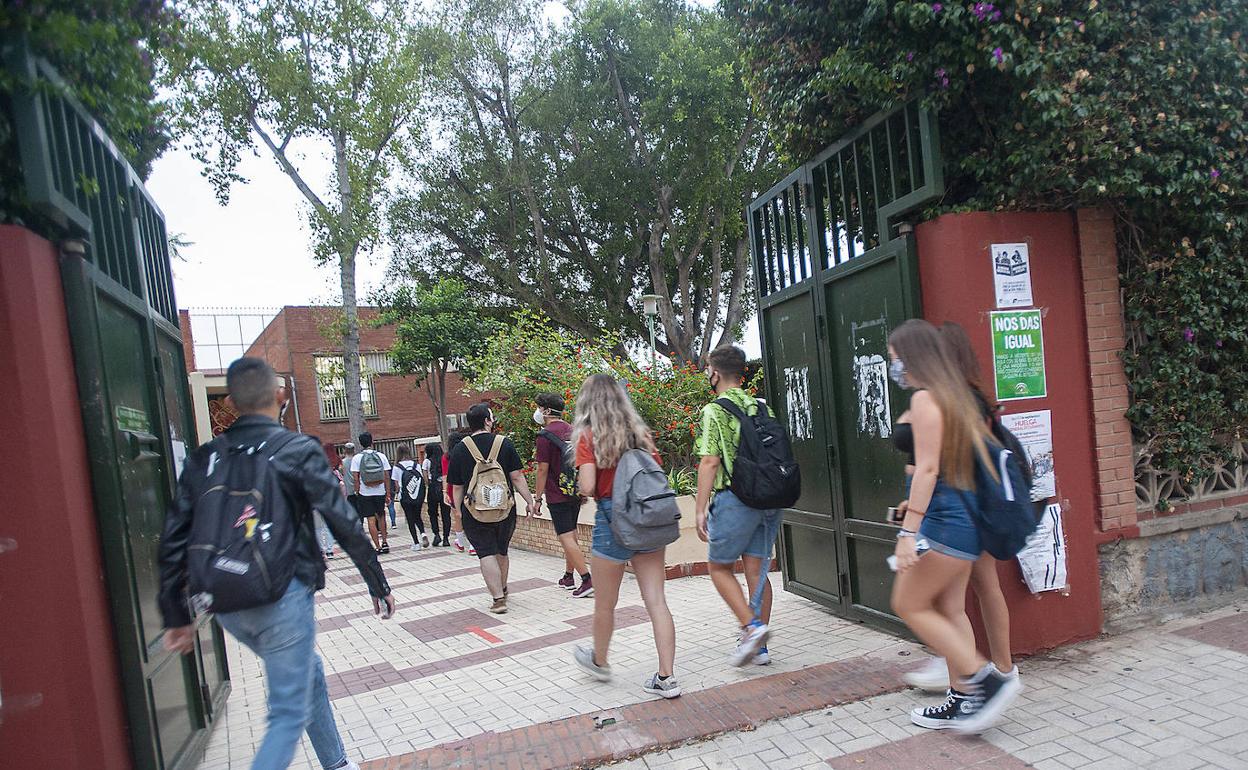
x: 342, y: 621
x: 937, y: 750
x: 369, y: 678
x: 1230, y: 632
x: 450, y: 624
x: 653, y: 725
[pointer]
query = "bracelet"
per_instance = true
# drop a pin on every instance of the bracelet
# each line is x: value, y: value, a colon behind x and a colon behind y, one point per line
x: 905, y: 533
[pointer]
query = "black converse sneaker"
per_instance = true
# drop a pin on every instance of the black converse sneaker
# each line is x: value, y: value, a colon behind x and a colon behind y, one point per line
x: 957, y: 706
x: 994, y: 694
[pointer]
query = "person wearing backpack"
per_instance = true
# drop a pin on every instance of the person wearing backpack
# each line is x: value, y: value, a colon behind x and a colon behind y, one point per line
x: 370, y: 476
x: 733, y: 528
x: 485, y: 475
x: 606, y: 429
x: 556, y: 484
x: 945, y: 431
x: 409, y: 484
x: 238, y: 541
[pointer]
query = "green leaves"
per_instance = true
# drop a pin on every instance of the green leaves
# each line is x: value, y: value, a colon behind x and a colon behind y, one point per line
x: 435, y: 325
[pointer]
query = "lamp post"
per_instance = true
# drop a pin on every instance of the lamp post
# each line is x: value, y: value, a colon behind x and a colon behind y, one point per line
x: 650, y: 306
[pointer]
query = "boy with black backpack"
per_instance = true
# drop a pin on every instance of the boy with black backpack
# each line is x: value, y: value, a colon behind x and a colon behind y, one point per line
x: 239, y: 541
x: 748, y: 465
x: 556, y: 483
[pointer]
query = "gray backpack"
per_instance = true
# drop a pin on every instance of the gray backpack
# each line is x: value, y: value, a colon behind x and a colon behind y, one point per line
x: 644, y: 514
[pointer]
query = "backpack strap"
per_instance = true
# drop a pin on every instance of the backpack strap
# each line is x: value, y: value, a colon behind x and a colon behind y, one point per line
x: 559, y: 443
x: 473, y: 449
x: 748, y: 431
x: 495, y: 449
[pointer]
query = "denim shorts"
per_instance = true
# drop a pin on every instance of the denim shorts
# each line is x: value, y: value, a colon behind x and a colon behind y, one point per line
x: 738, y: 530
x: 604, y: 545
x: 948, y: 526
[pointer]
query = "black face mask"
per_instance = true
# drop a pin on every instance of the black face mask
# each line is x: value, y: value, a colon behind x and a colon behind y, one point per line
x: 713, y: 380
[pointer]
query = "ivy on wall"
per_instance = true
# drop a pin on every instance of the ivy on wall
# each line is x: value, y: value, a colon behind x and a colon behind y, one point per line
x: 1136, y: 105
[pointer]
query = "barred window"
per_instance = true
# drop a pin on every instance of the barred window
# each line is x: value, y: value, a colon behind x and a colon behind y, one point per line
x: 331, y: 384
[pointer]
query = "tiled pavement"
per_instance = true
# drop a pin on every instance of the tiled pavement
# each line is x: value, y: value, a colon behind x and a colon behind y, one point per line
x: 446, y: 684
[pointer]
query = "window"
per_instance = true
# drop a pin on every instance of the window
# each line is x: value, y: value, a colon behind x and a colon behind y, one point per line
x: 331, y: 387
x: 456, y: 421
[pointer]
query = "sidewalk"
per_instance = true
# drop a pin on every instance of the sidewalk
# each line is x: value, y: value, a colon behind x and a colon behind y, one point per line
x: 446, y: 684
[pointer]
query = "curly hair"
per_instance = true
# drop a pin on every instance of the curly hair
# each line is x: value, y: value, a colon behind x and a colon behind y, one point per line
x: 605, y: 414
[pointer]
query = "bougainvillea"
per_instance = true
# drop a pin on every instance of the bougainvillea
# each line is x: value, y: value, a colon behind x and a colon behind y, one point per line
x: 1135, y: 105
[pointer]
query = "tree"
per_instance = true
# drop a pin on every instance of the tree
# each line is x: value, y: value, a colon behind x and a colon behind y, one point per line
x: 342, y: 77
x: 583, y: 166
x: 437, y: 327
x: 1136, y: 105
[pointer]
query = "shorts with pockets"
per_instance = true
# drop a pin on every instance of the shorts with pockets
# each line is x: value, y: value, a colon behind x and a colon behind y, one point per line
x: 489, y: 539
x: 738, y: 530
x: 564, y: 515
x: 604, y: 545
x: 370, y: 505
x: 947, y: 524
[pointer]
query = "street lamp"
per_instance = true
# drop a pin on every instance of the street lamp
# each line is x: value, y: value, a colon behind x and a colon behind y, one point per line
x: 650, y: 306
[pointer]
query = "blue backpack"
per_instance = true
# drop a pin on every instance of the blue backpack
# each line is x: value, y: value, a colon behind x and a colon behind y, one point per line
x: 1002, y: 508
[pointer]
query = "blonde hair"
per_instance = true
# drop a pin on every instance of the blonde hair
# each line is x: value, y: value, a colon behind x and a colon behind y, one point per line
x: 964, y: 431
x: 605, y: 413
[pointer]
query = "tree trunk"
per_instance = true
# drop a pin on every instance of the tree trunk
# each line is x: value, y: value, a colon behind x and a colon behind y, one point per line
x: 348, y: 247
x: 441, y: 405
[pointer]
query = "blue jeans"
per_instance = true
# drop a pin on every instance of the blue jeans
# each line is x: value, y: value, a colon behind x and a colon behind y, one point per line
x: 283, y: 635
x: 737, y: 530
x: 392, y: 520
x: 948, y: 526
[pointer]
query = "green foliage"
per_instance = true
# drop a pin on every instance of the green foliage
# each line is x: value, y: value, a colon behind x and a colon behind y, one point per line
x: 102, y: 49
x: 533, y: 355
x: 582, y: 166
x: 1136, y: 105
x: 435, y: 326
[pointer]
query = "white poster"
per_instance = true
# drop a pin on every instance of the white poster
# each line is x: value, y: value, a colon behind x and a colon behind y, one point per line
x: 874, y: 414
x: 179, y: 457
x: 1035, y: 431
x: 1043, y: 559
x: 1011, y: 272
x: 797, y: 397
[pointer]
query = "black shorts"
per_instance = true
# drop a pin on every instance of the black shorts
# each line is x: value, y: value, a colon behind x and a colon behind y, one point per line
x: 370, y: 505
x: 489, y: 539
x: 564, y: 515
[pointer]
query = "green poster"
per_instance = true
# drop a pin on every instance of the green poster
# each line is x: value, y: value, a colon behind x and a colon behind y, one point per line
x: 1018, y: 354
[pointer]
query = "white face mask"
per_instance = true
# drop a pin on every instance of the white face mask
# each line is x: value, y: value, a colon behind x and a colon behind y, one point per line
x: 538, y: 417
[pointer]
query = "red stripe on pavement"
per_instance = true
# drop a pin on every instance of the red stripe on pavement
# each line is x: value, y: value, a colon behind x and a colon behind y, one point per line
x: 486, y: 635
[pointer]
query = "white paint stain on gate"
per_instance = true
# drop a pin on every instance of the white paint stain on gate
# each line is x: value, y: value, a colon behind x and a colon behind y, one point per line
x: 797, y: 398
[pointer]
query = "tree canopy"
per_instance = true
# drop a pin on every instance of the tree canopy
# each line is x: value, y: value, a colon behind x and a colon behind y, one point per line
x: 1137, y: 105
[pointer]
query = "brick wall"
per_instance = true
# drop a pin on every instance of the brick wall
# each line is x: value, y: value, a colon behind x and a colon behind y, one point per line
x: 1102, y: 299
x: 538, y: 535
x: 188, y: 346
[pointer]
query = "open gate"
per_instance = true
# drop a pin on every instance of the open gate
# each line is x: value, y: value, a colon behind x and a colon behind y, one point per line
x: 835, y: 276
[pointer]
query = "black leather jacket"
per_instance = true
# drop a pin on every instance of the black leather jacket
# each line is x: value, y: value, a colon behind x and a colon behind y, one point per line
x: 302, y: 464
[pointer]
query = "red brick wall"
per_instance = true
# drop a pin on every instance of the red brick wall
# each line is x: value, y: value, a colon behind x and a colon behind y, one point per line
x: 1102, y: 302
x: 188, y: 344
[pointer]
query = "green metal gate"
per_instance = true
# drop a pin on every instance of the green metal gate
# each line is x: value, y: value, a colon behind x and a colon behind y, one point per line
x: 135, y: 398
x: 835, y: 277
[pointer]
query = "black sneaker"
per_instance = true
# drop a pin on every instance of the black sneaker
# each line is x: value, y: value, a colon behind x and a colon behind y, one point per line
x: 996, y: 691
x: 385, y: 548
x: 956, y: 708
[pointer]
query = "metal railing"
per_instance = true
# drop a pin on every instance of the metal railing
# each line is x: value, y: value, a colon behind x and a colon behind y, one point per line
x: 76, y: 176
x: 847, y: 199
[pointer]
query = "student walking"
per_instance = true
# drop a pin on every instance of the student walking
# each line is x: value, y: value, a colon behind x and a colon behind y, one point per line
x: 606, y: 427
x: 945, y: 431
x: 485, y: 474
x: 275, y: 618
x: 733, y: 529
x: 370, y: 472
x: 934, y: 677
x: 344, y: 475
x: 434, y: 469
x: 552, y: 450
x: 455, y: 526
x: 323, y: 537
x: 409, y: 485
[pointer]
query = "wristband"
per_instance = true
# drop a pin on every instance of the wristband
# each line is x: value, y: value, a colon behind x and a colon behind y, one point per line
x: 905, y: 533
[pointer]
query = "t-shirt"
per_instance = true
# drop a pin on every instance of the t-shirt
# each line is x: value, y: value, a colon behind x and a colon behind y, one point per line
x: 369, y: 490
x: 461, y: 463
x: 604, y: 478
x: 426, y: 467
x: 396, y: 475
x: 344, y: 474
x: 720, y: 432
x: 548, y: 452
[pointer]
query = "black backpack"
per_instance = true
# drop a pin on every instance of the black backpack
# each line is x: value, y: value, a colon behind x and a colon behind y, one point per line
x: 244, y: 530
x: 409, y: 484
x: 1001, y: 504
x: 765, y: 474
x: 567, y: 471
x: 1010, y: 441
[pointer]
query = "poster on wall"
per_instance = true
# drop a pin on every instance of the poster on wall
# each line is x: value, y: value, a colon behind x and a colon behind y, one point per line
x: 1018, y: 354
x: 1011, y: 272
x: 1035, y: 432
x: 1043, y: 558
x: 875, y: 414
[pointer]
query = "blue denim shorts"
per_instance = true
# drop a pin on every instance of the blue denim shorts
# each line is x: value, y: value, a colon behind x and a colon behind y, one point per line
x: 948, y: 526
x: 604, y: 545
x: 738, y: 530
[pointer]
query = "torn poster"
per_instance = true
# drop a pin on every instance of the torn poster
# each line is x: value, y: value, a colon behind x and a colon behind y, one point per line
x: 1043, y: 559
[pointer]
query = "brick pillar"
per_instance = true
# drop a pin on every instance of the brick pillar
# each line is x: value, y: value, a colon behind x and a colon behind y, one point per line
x: 1102, y: 302
x: 188, y: 343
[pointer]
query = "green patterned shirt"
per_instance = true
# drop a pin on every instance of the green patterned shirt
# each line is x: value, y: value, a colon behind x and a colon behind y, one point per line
x: 720, y: 433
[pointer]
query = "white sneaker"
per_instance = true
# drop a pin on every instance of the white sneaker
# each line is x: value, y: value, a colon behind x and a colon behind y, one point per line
x: 753, y: 637
x: 416, y: 547
x: 933, y: 677
x: 350, y: 766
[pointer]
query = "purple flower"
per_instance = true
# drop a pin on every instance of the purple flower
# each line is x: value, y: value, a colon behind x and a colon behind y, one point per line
x: 937, y: 7
x: 910, y: 56
x: 996, y: 16
x: 998, y: 55
x: 940, y: 72
x: 1218, y: 344
x: 1188, y: 334
x: 1214, y: 173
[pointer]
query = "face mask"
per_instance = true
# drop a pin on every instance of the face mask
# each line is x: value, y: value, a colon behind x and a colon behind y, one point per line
x: 897, y: 373
x: 713, y: 380
x: 539, y: 418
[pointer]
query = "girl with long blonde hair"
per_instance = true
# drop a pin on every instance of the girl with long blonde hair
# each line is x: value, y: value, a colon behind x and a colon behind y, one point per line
x: 945, y: 434
x: 607, y: 426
